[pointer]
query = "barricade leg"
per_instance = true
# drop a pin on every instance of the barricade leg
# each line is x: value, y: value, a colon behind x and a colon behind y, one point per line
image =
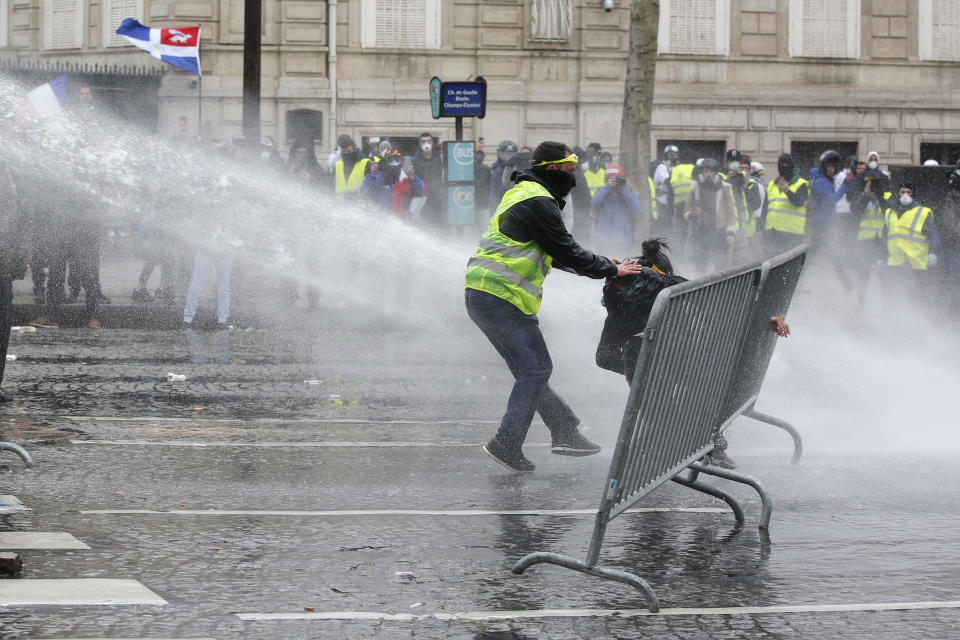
x: 786, y: 426
x: 767, y: 508
x: 599, y: 572
x: 20, y: 451
x: 712, y: 491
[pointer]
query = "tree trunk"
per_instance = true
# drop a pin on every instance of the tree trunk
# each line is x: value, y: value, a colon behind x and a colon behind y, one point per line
x: 638, y: 107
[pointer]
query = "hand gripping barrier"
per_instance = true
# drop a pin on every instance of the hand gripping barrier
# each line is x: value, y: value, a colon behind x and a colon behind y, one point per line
x: 702, y: 363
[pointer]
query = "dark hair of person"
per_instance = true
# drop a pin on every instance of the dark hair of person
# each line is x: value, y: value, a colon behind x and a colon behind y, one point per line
x: 550, y: 151
x: 426, y: 135
x: 654, y: 255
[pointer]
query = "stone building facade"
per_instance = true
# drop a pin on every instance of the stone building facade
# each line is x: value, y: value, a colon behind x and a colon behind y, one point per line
x: 763, y: 76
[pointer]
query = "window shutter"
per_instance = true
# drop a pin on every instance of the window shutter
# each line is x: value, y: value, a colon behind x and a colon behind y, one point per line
x: 825, y: 28
x: 115, y: 12
x: 401, y: 24
x: 945, y: 30
x: 693, y: 26
x: 65, y: 24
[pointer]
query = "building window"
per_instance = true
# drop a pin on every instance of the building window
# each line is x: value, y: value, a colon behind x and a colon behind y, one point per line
x: 550, y: 20
x: 400, y: 24
x: 939, y: 32
x: 694, y: 27
x: 63, y: 24
x: 824, y: 29
x: 114, y: 13
x: 304, y: 125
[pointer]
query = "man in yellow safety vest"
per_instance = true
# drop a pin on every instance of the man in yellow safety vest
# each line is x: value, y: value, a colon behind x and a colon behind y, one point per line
x: 350, y: 169
x: 504, y: 287
x: 785, y: 208
x: 912, y: 243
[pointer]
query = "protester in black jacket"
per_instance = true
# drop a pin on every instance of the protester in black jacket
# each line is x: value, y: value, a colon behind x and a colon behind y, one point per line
x: 14, y: 240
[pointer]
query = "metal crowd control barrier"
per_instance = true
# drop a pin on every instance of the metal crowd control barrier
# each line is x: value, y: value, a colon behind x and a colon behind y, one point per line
x: 693, y: 349
x: 778, y: 282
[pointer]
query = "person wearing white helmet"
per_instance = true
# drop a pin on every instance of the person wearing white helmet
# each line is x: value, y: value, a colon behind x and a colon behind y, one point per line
x: 661, y: 184
x: 930, y: 162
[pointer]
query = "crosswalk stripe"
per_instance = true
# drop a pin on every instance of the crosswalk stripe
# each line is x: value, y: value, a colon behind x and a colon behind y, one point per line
x: 75, y: 591
x: 598, y: 613
x: 10, y: 505
x: 394, y: 512
x: 21, y: 540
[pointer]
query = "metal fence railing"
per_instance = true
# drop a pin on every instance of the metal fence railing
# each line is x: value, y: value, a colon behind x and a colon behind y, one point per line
x: 778, y: 283
x: 702, y: 358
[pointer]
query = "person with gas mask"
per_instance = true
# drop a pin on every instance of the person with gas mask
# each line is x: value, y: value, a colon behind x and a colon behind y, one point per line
x: 661, y: 184
x: 504, y: 288
x: 350, y: 169
x: 746, y: 199
x: 912, y: 246
x: 594, y: 172
x: 506, y: 150
x: 429, y: 167
x: 712, y: 217
x: 784, y: 217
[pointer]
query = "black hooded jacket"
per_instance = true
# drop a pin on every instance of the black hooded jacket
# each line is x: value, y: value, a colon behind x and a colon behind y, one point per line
x: 539, y: 219
x: 629, y: 301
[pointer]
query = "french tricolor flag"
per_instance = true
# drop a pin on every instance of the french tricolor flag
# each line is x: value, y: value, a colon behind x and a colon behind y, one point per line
x: 47, y: 99
x: 179, y: 46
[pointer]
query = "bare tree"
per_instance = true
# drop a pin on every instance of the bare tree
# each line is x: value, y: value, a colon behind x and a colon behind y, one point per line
x: 638, y: 106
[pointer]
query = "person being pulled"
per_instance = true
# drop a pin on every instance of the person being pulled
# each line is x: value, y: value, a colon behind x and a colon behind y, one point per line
x: 504, y: 288
x: 629, y: 300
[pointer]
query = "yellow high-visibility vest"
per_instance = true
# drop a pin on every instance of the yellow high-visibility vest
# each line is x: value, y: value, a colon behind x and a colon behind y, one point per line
x: 344, y: 185
x: 872, y: 221
x: 513, y: 271
x: 595, y: 180
x: 681, y: 181
x: 782, y: 215
x: 905, y: 240
x: 654, y: 213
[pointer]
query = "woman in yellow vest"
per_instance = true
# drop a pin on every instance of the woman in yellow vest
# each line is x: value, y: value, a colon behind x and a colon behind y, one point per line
x: 504, y: 286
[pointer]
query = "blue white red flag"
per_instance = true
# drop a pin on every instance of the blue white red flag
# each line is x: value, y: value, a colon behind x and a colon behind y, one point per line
x: 179, y: 46
x: 47, y: 99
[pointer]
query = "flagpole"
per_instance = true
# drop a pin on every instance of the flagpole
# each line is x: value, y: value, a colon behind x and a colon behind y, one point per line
x: 200, y: 108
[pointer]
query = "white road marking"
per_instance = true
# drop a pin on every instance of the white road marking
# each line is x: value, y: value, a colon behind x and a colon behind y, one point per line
x: 394, y: 512
x: 272, y: 420
x: 599, y: 613
x: 39, y: 540
x: 273, y: 445
x: 11, y: 504
x: 81, y: 591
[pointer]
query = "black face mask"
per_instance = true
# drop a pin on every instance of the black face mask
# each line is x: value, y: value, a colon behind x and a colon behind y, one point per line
x: 350, y: 157
x: 785, y: 170
x: 558, y: 182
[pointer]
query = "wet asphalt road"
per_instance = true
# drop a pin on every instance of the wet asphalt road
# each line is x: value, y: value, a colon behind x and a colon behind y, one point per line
x: 393, y: 420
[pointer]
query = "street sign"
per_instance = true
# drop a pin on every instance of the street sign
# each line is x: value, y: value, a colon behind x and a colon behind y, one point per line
x: 460, y: 161
x: 460, y: 204
x: 463, y: 99
x: 467, y: 99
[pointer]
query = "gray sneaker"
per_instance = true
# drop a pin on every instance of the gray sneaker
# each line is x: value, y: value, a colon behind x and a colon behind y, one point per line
x: 573, y: 444
x: 719, y: 458
x: 510, y: 458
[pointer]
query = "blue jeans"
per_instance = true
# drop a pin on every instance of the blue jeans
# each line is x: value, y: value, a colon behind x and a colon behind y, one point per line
x: 516, y: 337
x: 203, y: 264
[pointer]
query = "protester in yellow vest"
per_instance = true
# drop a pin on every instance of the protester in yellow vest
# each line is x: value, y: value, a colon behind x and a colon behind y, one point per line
x: 595, y: 169
x: 681, y: 179
x: 911, y: 233
x: 504, y: 287
x: 785, y: 208
x: 350, y: 169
